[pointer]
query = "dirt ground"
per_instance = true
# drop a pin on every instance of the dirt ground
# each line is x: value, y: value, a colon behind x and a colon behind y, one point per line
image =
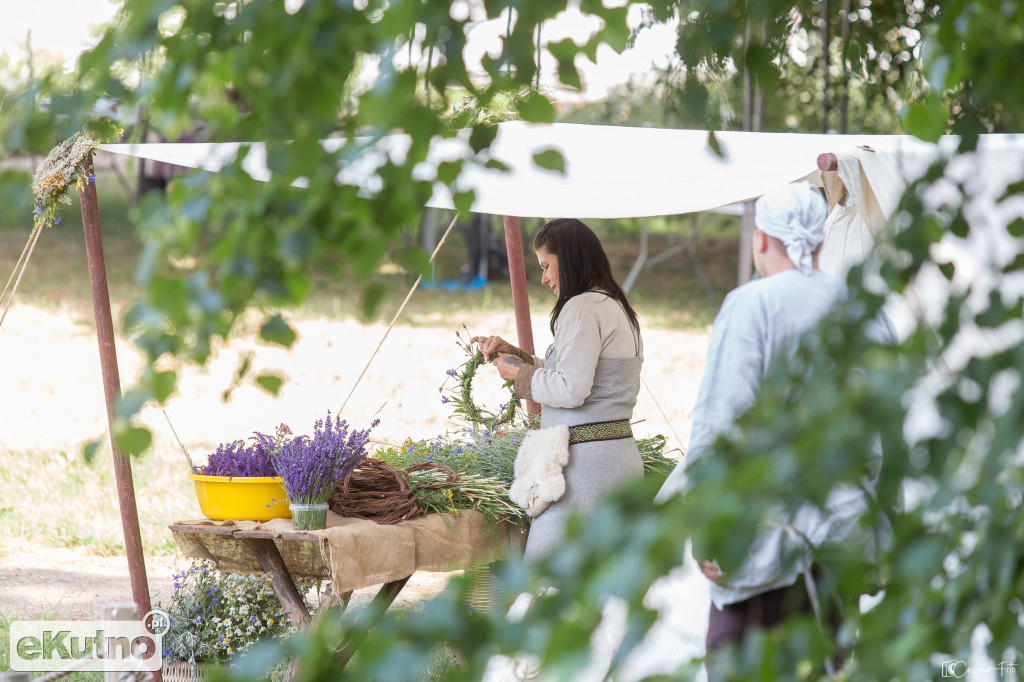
x: 67, y: 584
x: 51, y: 401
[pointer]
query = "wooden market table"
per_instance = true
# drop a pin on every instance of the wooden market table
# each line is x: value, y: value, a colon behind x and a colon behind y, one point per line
x: 351, y: 553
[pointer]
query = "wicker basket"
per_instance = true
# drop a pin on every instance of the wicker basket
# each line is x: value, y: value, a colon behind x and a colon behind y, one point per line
x: 483, y: 593
x: 183, y: 671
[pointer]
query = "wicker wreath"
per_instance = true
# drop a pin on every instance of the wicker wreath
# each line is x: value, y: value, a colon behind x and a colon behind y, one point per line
x: 426, y: 466
x: 376, y: 491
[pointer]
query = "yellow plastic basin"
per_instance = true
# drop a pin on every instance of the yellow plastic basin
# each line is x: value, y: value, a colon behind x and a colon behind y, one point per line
x: 240, y: 498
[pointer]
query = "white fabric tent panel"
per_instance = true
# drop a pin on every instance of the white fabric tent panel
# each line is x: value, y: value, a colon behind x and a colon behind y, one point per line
x: 610, y: 171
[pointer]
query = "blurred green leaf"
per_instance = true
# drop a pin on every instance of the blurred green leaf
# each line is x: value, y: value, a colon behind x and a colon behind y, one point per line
x: 89, y: 450
x: 16, y: 198
x: 270, y: 382
x: 959, y: 226
x: 241, y: 372
x: 550, y: 159
x: 482, y: 136
x: 714, y: 144
x: 275, y: 330
x: 464, y: 201
x: 928, y: 119
x: 371, y: 299
x: 134, y: 440
x: 132, y: 401
x: 163, y: 384
x: 168, y: 294
x: 565, y: 52
x: 536, y: 108
x: 415, y: 261
x: 615, y: 31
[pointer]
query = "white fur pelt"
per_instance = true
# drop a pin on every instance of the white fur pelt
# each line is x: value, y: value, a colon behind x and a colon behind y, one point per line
x: 539, y: 480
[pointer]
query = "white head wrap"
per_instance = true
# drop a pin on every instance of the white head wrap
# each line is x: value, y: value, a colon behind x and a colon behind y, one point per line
x: 794, y: 214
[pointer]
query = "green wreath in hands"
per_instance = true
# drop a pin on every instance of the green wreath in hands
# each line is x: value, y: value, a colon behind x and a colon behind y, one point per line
x: 460, y: 397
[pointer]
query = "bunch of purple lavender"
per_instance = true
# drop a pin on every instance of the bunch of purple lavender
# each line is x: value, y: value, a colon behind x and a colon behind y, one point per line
x: 252, y: 458
x: 311, y: 468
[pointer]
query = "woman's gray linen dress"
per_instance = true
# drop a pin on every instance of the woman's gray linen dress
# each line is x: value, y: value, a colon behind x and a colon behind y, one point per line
x: 595, y: 334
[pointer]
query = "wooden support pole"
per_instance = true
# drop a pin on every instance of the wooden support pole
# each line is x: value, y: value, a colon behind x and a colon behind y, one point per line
x: 112, y: 391
x: 828, y: 162
x: 520, y: 292
x: 745, y: 262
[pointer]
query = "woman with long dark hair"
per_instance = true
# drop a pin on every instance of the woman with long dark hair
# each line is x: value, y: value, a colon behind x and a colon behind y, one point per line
x: 589, y: 378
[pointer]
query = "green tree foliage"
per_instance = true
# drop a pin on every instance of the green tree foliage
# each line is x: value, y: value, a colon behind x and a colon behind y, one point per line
x: 873, y: 60
x: 943, y: 533
x: 874, y: 67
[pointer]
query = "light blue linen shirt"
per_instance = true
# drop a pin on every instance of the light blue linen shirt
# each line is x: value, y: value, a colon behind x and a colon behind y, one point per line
x: 760, y: 322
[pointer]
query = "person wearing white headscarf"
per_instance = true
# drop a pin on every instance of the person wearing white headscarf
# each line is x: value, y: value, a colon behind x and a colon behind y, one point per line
x: 760, y: 323
x: 795, y: 215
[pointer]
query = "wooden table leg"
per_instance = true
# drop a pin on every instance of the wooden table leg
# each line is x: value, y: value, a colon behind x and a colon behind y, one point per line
x: 284, y: 586
x: 330, y: 600
x: 273, y: 563
x: 367, y: 618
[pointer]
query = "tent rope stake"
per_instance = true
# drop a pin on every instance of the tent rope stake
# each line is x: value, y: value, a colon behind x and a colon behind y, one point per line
x: 663, y: 415
x: 401, y: 308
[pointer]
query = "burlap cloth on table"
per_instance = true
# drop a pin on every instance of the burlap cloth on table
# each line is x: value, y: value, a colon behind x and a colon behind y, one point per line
x: 363, y: 553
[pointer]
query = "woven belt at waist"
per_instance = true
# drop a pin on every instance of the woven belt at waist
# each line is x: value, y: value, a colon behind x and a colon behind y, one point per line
x: 613, y: 430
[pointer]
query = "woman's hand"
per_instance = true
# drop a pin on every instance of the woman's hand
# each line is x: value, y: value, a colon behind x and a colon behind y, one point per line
x: 712, y: 573
x: 508, y: 366
x: 491, y: 345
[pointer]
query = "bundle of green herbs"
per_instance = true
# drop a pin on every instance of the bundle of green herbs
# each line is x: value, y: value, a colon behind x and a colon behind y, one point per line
x: 652, y: 452
x: 485, y: 464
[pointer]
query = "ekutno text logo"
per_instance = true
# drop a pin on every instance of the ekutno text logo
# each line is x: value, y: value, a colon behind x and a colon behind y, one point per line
x: 110, y: 646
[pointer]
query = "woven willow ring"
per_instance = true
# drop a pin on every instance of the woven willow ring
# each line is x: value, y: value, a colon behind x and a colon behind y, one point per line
x: 464, y: 401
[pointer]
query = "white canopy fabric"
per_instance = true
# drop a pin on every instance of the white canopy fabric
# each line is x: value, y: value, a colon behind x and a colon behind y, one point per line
x: 610, y: 171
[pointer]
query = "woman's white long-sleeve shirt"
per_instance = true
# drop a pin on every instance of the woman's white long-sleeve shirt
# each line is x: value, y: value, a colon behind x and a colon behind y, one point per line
x: 591, y: 325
